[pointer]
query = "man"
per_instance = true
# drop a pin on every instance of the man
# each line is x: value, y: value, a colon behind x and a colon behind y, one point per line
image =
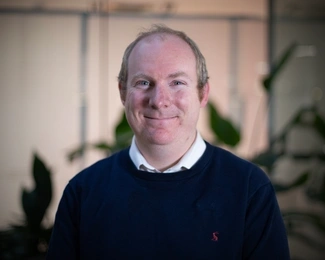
x: 171, y: 195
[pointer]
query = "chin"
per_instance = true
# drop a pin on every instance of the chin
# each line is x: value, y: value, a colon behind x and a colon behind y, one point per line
x: 160, y: 139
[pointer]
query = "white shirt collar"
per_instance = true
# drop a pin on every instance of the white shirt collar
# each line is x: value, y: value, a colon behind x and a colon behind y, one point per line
x: 187, y: 161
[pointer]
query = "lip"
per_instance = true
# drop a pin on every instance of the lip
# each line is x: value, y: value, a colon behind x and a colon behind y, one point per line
x: 159, y: 118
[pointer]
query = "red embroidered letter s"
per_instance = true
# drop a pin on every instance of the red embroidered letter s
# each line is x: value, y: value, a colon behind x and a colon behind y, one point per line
x: 215, y: 236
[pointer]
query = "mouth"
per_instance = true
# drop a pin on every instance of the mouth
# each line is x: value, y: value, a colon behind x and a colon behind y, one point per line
x: 159, y: 118
x: 160, y: 121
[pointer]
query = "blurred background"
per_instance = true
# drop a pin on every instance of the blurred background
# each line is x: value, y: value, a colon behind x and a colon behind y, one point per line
x: 58, y: 91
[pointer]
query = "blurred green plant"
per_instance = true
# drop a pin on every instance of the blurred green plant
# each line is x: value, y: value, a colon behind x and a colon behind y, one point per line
x: 29, y: 238
x: 122, y: 139
x: 224, y: 132
x: 310, y: 119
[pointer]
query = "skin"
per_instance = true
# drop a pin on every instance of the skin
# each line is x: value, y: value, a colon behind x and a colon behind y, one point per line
x: 161, y: 99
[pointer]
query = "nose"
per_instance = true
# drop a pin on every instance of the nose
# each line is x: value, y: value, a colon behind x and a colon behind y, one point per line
x: 160, y: 97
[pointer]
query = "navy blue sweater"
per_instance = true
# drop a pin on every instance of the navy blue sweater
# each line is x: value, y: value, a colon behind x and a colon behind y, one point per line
x: 222, y: 208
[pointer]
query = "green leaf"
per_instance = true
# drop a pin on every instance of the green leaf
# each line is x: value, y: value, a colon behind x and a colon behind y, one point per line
x: 223, y: 129
x: 123, y: 137
x: 29, y: 200
x: 123, y: 134
x: 102, y: 146
x: 301, y: 180
x: 76, y: 153
x: 123, y: 129
x: 278, y: 66
x: 319, y: 125
x: 79, y: 151
x: 36, y: 202
x: 42, y: 177
x: 266, y: 159
x: 307, y: 239
x: 314, y: 219
x: 316, y: 190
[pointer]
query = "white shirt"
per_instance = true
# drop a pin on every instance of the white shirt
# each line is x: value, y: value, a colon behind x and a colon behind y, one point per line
x: 186, y: 162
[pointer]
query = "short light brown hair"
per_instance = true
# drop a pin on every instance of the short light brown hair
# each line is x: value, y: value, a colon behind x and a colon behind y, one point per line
x: 201, y: 69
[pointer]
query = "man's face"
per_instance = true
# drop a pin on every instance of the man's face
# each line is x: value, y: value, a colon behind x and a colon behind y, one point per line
x: 161, y: 99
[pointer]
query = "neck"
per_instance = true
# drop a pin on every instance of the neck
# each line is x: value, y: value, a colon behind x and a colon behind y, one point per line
x: 163, y: 157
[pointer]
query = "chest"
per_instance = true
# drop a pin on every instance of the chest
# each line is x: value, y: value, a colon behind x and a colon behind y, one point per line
x: 188, y: 224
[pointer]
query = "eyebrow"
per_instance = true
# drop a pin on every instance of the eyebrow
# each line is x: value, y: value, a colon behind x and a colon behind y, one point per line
x: 141, y: 76
x: 178, y: 74
x: 172, y: 76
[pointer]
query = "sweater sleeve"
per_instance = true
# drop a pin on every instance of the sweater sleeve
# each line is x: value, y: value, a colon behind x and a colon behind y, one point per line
x: 64, y: 240
x: 265, y: 235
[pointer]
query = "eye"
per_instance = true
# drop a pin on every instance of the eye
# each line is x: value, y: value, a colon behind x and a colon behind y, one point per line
x: 142, y: 83
x: 177, y: 83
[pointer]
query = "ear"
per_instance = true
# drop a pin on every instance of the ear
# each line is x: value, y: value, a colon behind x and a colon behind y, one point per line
x: 204, y: 95
x: 122, y: 93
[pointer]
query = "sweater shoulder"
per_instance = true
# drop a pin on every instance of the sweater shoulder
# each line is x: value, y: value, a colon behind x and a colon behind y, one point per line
x: 238, y: 170
x: 99, y: 171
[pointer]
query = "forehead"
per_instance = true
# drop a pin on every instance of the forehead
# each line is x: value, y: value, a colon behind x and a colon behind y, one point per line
x: 161, y: 38
x: 162, y: 49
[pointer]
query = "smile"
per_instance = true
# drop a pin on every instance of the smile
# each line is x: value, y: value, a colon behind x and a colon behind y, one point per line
x: 160, y: 118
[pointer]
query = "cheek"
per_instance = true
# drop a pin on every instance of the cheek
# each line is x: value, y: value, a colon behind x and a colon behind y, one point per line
x: 181, y: 97
x: 186, y: 100
x: 134, y: 100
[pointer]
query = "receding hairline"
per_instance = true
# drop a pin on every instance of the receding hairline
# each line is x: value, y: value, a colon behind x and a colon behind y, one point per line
x: 162, y: 36
x: 164, y: 32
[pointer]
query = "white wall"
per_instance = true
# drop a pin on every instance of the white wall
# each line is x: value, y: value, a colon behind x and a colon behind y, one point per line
x: 40, y: 97
x: 38, y: 101
x: 301, y: 84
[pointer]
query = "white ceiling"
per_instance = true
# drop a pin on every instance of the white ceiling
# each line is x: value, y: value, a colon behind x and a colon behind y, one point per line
x: 190, y: 7
x: 256, y: 8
